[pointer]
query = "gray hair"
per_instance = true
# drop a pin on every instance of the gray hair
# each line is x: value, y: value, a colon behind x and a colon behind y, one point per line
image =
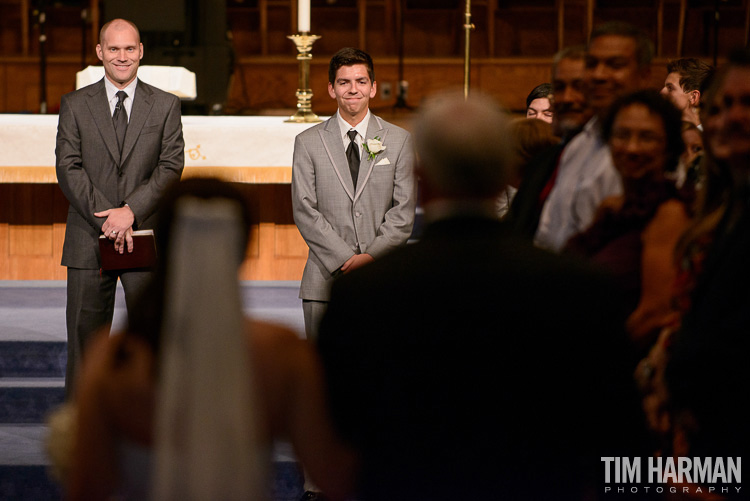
x: 463, y: 145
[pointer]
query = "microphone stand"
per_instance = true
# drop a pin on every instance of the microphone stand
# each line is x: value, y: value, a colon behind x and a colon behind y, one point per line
x: 402, y: 84
x: 42, y: 58
x: 468, y: 26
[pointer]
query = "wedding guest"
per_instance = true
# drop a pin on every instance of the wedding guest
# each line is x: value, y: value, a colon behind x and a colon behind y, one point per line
x: 686, y: 79
x: 713, y: 184
x: 707, y: 369
x: 530, y: 137
x: 538, y: 103
x: 633, y: 235
x: 570, y: 115
x: 618, y: 62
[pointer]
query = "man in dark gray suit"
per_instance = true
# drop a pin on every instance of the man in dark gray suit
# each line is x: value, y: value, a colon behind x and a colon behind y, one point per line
x: 119, y: 146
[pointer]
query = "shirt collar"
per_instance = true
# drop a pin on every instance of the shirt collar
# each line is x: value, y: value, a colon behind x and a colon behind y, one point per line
x: 112, y: 89
x: 345, y: 126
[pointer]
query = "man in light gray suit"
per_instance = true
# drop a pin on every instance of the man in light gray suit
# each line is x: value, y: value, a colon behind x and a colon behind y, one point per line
x: 353, y: 188
x: 119, y: 146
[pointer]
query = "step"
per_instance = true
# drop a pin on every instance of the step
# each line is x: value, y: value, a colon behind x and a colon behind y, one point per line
x: 24, y: 467
x: 34, y: 359
x: 27, y: 483
x: 32, y: 483
x: 29, y: 400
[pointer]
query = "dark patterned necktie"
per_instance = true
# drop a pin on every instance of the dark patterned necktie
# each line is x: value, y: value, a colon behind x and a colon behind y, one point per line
x: 352, y: 154
x: 120, y: 118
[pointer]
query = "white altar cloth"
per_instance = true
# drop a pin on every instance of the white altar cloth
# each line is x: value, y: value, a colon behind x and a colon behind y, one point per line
x: 239, y: 149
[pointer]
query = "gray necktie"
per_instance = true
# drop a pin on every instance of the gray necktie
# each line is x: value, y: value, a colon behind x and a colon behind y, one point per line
x: 352, y: 154
x: 120, y: 118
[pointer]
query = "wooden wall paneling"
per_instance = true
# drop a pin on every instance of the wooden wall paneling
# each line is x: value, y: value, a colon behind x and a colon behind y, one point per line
x: 59, y: 217
x: 279, y: 26
x: 362, y: 24
x: 25, y: 27
x: 420, y: 27
x: 380, y: 33
x: 30, y: 229
x: 517, y: 80
x: 483, y: 20
x: 5, y: 204
x: 510, y: 80
x: 11, y: 37
x: 93, y: 19
x: 575, y: 31
x: 287, y: 240
x: 560, y: 8
x: 269, y: 83
x: 4, y: 87
x: 244, y: 25
x: 263, y: 6
x: 337, y: 24
x: 20, y: 83
x: 64, y: 32
x: 30, y: 240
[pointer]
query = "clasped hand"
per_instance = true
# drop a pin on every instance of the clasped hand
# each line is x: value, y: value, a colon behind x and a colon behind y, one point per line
x: 119, y: 227
x: 356, y: 261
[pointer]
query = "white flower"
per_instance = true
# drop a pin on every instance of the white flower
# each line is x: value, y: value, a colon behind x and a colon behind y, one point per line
x: 374, y: 146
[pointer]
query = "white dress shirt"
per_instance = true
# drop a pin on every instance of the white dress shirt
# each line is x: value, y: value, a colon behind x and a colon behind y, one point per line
x: 361, y: 129
x: 585, y: 177
x: 112, y: 95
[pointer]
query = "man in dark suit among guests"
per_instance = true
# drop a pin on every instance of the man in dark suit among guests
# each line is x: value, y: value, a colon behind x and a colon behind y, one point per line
x: 119, y: 147
x: 471, y: 365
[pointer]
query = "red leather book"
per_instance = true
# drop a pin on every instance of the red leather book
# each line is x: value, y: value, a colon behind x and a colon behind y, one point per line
x: 143, y: 255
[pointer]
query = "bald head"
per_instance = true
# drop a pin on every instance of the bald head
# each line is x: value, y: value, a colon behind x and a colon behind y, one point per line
x: 463, y: 146
x: 118, y: 25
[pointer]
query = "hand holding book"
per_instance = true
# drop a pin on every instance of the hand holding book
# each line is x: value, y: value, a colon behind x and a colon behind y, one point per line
x: 142, y: 254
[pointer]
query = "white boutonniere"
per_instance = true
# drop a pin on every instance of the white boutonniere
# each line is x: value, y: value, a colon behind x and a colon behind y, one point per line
x: 373, y: 147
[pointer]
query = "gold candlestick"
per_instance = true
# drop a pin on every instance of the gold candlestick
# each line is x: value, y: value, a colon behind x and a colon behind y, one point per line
x: 303, y: 41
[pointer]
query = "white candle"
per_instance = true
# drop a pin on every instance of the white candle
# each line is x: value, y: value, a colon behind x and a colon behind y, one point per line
x: 303, y: 16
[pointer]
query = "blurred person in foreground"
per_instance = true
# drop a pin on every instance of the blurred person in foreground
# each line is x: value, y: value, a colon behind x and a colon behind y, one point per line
x: 529, y: 138
x: 618, y: 62
x: 568, y: 99
x: 634, y: 235
x: 570, y: 114
x: 708, y: 367
x: 186, y: 402
x: 714, y: 185
x: 480, y: 385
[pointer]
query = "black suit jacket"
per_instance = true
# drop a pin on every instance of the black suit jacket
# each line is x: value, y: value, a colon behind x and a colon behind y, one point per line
x: 471, y: 365
x: 525, y: 209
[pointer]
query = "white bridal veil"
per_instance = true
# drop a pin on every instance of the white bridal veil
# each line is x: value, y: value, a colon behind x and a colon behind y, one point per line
x: 207, y: 445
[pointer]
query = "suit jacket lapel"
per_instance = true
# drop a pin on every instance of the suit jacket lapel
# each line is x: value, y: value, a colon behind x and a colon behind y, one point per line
x: 99, y: 108
x: 334, y: 146
x: 142, y: 104
x: 374, y: 128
